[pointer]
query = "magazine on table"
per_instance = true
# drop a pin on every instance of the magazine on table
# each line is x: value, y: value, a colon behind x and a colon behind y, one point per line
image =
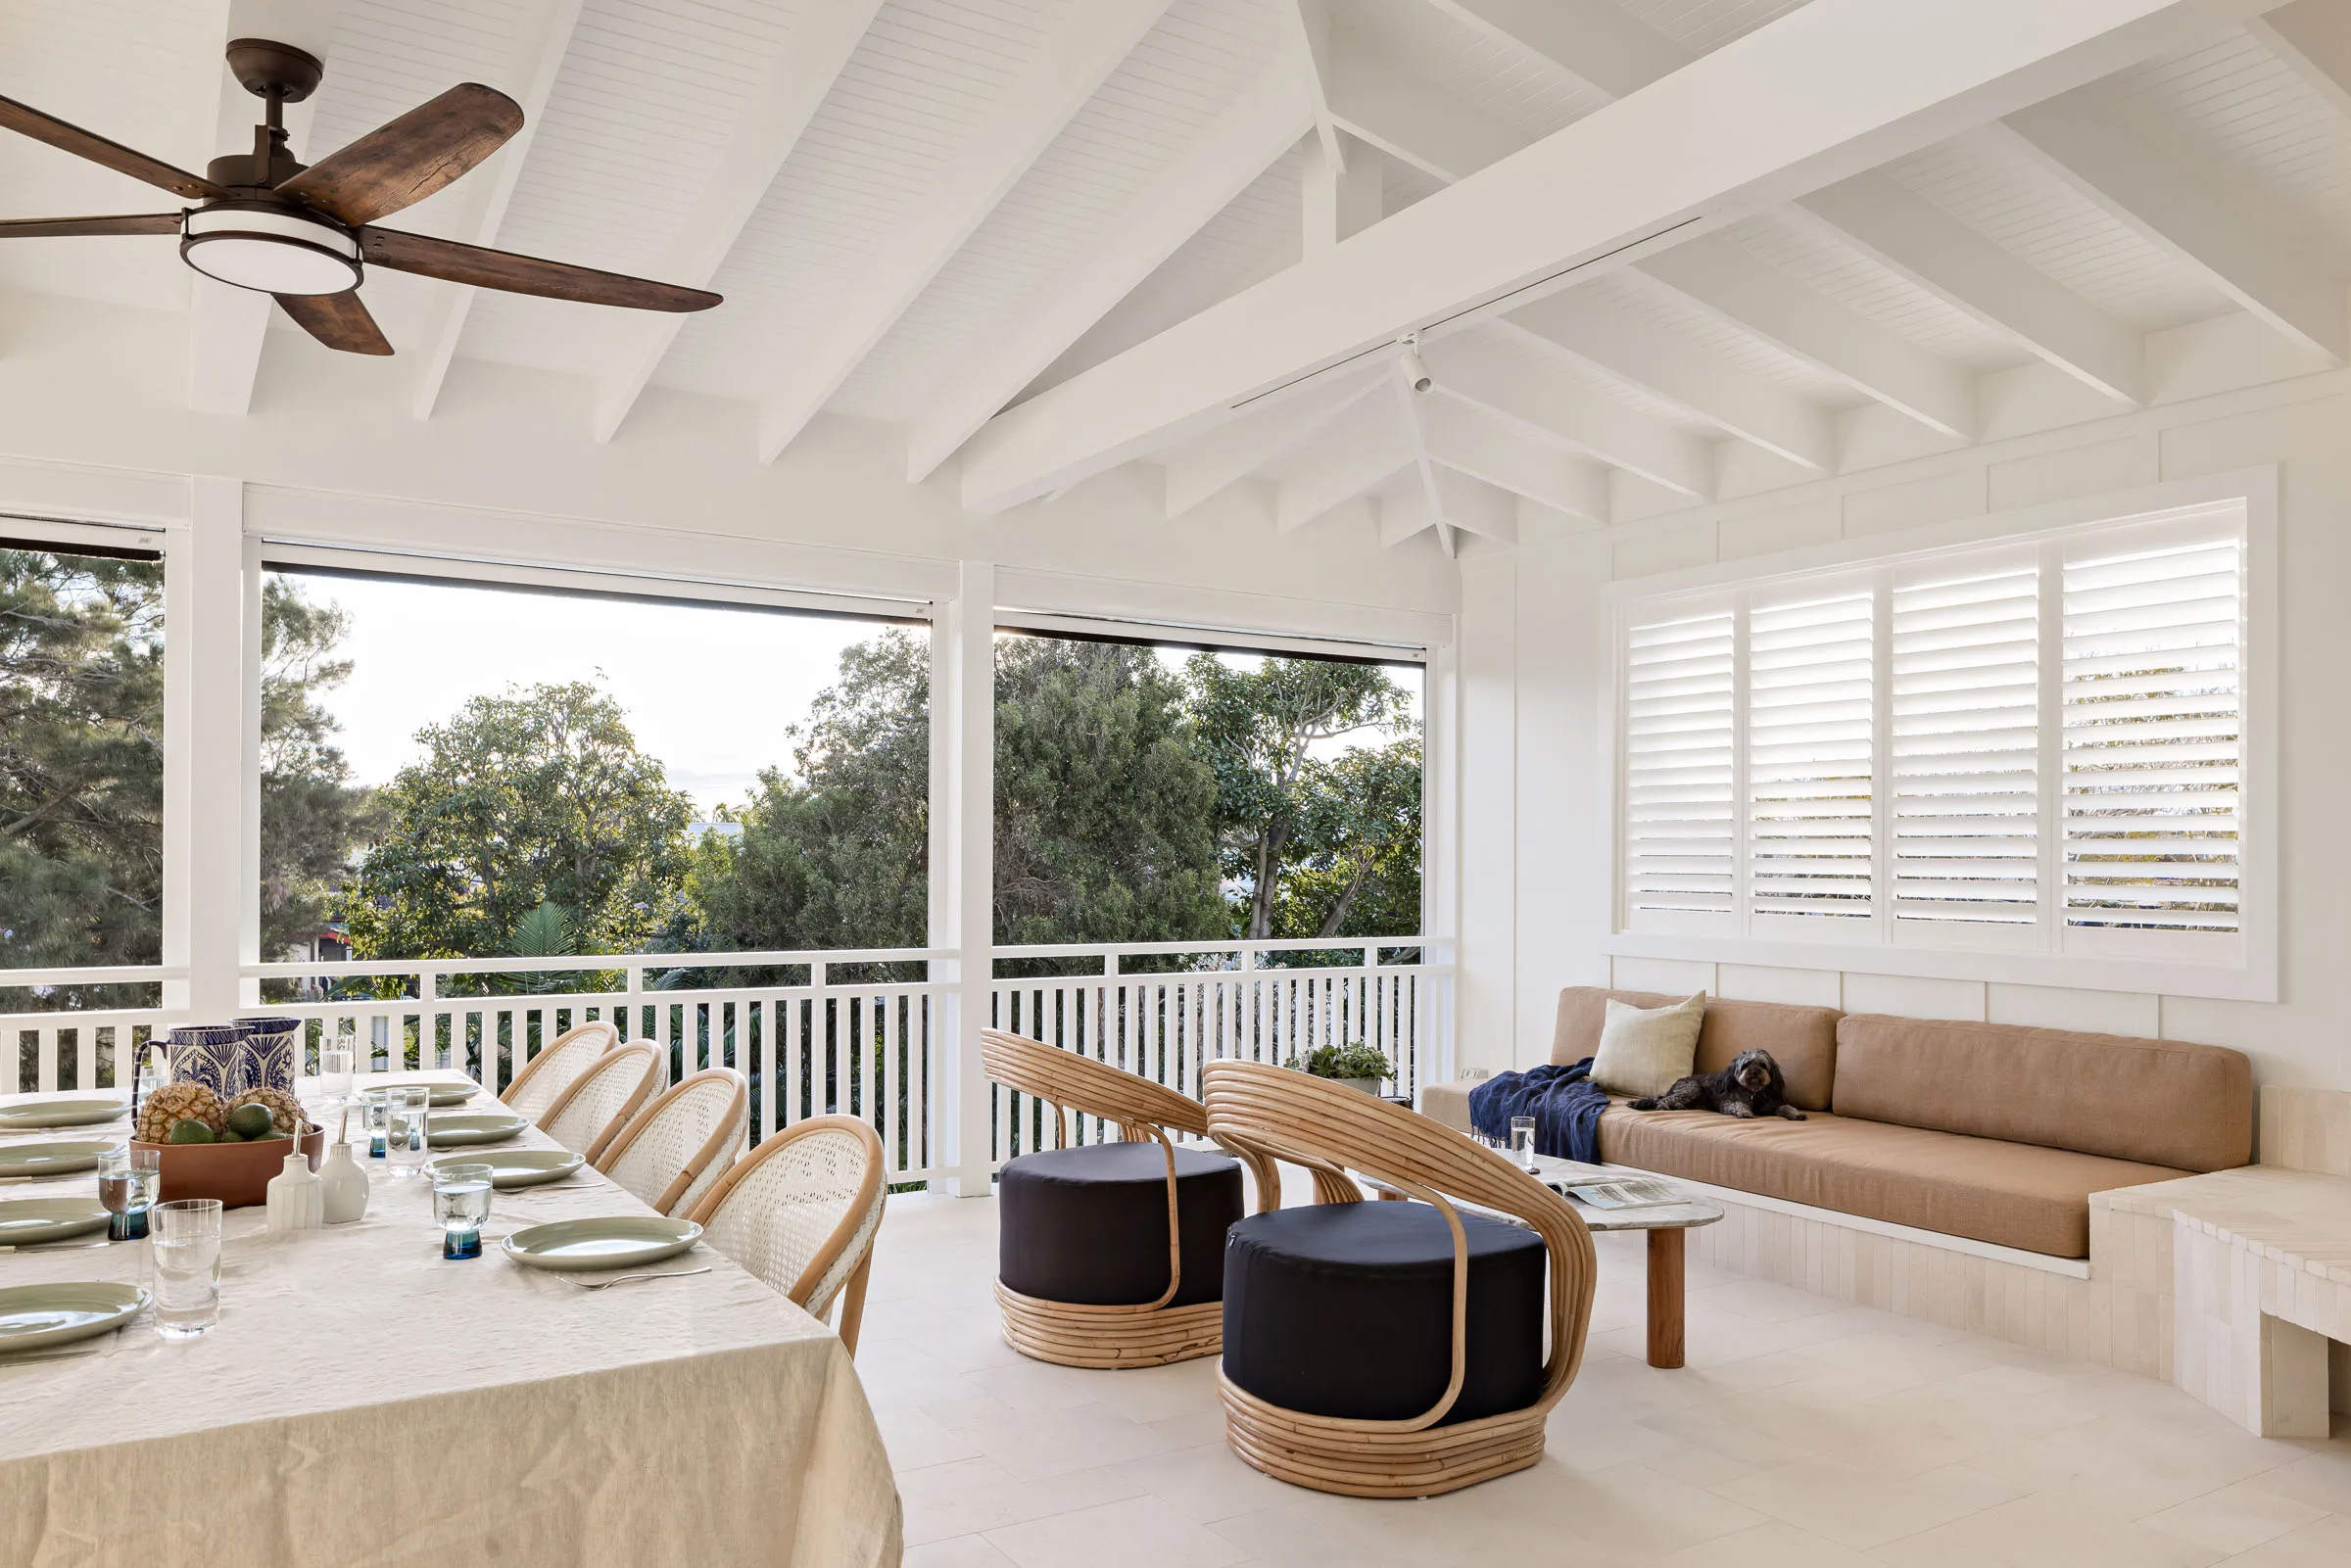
x: 1619, y: 1192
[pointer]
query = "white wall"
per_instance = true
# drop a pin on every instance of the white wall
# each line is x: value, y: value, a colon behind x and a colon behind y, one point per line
x: 1536, y: 839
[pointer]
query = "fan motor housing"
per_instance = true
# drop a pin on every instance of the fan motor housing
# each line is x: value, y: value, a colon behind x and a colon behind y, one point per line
x: 272, y: 247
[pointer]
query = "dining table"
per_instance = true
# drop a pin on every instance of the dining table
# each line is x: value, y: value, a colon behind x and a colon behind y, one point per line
x: 361, y: 1399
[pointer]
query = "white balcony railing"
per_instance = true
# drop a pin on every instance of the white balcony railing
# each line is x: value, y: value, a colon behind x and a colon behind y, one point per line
x: 854, y: 1036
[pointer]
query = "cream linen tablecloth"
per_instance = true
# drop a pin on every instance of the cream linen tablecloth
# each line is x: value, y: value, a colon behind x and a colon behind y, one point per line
x: 364, y: 1402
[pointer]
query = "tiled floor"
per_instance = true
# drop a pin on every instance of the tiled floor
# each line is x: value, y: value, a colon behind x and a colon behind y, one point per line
x: 1804, y: 1431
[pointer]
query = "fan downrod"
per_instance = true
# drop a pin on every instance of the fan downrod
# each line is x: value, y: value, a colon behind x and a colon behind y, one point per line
x: 267, y: 69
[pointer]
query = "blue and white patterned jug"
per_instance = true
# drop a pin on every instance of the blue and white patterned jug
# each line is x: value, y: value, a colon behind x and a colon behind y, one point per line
x: 206, y: 1054
x: 266, y: 1056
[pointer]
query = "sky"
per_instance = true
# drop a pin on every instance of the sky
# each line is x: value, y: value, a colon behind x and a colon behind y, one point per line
x: 711, y: 691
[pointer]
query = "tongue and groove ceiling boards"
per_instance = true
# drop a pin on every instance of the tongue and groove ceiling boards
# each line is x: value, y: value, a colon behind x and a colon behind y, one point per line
x: 1049, y: 237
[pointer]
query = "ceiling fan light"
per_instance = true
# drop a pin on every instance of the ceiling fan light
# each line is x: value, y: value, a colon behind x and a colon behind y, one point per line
x: 268, y: 249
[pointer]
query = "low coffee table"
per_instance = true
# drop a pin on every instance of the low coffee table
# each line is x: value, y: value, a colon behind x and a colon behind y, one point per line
x: 1664, y: 1223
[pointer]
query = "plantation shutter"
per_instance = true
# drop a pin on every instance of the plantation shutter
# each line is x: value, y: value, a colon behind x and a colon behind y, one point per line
x: 1965, y: 745
x: 1809, y: 715
x: 2152, y: 738
x: 1679, y: 829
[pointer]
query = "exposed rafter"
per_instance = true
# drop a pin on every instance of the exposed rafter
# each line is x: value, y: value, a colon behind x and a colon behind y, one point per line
x: 540, y: 46
x: 2312, y: 39
x: 1595, y: 41
x: 1071, y: 68
x: 1411, y: 118
x: 1462, y: 438
x: 820, y: 44
x: 1337, y: 200
x: 1348, y: 457
x: 1308, y: 26
x: 2194, y: 209
x: 1969, y: 270
x: 1422, y: 471
x: 1211, y: 461
x: 1554, y: 408
x: 1245, y: 139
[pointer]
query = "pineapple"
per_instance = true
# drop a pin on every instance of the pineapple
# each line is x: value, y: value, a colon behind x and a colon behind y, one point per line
x: 285, y: 1114
x: 176, y: 1103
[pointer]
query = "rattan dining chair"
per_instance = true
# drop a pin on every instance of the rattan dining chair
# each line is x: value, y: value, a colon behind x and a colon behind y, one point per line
x: 674, y: 1150
x: 801, y: 1212
x: 1080, y: 1258
x: 1291, y: 1270
x: 589, y: 1114
x: 556, y: 1067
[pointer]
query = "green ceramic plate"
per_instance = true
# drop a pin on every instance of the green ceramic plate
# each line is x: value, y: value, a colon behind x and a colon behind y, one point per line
x: 50, y: 1158
x: 25, y: 1221
x: 449, y: 1094
x: 76, y: 1113
x: 521, y: 1168
x: 618, y: 1243
x: 468, y: 1127
x: 34, y: 1316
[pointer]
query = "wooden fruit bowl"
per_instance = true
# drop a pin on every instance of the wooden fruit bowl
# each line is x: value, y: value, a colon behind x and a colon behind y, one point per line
x: 236, y: 1174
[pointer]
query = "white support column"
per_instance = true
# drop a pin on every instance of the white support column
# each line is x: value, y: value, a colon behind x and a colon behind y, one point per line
x: 249, y: 762
x: 963, y: 839
x: 204, y: 764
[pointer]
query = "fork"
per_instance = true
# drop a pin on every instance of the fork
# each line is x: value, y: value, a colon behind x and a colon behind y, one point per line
x: 607, y: 1284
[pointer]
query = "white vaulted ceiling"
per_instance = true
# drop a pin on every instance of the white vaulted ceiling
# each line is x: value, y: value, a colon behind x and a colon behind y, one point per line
x: 926, y: 211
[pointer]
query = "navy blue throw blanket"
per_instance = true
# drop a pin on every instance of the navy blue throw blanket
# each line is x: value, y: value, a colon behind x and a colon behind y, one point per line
x: 1563, y: 1101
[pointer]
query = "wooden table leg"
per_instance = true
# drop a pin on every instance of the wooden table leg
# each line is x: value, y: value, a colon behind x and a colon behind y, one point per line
x: 1665, y: 1297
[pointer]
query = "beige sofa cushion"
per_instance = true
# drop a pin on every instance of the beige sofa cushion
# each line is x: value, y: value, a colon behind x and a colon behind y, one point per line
x: 1647, y: 1050
x: 2157, y: 1102
x: 1802, y: 1039
x: 2010, y: 1194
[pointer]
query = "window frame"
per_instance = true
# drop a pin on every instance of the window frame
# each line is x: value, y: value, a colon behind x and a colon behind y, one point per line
x: 2053, y: 952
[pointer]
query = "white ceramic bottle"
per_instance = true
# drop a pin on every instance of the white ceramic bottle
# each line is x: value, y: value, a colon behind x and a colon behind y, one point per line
x: 344, y: 1186
x: 297, y: 1198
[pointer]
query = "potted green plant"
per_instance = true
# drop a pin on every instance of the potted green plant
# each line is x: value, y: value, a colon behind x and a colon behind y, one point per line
x: 1354, y: 1063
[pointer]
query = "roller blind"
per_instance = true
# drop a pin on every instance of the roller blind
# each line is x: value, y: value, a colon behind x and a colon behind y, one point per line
x: 1679, y: 828
x: 1811, y: 672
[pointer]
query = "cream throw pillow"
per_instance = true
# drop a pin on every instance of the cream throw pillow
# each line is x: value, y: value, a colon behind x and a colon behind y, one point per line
x: 1644, y: 1050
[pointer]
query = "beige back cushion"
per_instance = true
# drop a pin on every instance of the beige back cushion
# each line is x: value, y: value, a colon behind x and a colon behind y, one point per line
x: 2158, y: 1102
x: 1802, y: 1041
x: 1647, y: 1050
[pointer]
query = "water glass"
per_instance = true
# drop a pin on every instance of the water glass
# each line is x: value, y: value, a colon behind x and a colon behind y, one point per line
x: 1522, y: 1141
x: 127, y: 1182
x: 183, y: 1260
x: 408, y: 1133
x: 334, y: 1069
x: 461, y: 1206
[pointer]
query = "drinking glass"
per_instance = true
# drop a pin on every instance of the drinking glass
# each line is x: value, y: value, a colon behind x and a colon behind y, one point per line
x: 183, y: 1257
x: 1522, y: 1140
x: 335, y: 1055
x: 127, y: 1181
x: 408, y: 1134
x: 462, y: 1205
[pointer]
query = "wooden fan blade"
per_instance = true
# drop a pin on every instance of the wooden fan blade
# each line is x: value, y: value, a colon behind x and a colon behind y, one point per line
x: 28, y: 120
x: 51, y: 227
x: 403, y: 162
x: 338, y: 321
x: 524, y: 274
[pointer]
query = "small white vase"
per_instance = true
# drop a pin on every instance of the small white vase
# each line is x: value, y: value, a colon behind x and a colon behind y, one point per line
x: 343, y: 1186
x: 296, y: 1198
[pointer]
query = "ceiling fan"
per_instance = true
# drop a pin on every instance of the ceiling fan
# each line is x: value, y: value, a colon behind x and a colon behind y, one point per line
x: 306, y: 234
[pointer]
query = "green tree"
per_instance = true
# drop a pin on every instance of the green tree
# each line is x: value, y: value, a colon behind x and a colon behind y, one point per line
x: 1257, y: 728
x: 1355, y: 861
x: 312, y: 815
x: 537, y: 796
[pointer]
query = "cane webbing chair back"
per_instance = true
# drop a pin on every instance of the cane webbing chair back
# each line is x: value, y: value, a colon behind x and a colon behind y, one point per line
x: 556, y: 1067
x: 589, y: 1114
x: 801, y: 1212
x: 675, y: 1150
x: 1332, y: 1130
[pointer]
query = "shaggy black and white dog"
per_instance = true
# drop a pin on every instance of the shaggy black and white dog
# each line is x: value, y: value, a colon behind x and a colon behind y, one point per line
x: 1751, y: 1086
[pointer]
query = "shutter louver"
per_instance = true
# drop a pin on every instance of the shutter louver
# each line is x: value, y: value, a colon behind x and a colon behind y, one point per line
x: 1679, y: 834
x: 1809, y: 714
x: 2152, y: 736
x: 1965, y: 747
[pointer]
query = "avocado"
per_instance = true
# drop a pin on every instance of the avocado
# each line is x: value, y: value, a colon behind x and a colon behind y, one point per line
x: 190, y: 1131
x: 250, y: 1121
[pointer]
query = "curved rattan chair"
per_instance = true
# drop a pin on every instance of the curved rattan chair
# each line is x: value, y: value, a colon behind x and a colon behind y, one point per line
x: 677, y: 1147
x: 801, y: 1212
x: 589, y: 1114
x: 1329, y: 1129
x: 556, y: 1067
x: 1136, y: 1334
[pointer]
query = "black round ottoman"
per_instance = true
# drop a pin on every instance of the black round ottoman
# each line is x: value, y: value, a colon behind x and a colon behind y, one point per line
x: 1346, y: 1309
x: 1081, y: 1232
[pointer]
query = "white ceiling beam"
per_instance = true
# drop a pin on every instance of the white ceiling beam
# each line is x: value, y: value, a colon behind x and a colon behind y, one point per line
x: 2312, y: 39
x: 1470, y: 504
x: 228, y: 325
x: 1592, y: 40
x: 2194, y: 207
x: 1411, y: 118
x: 529, y: 78
x: 1553, y: 406
x: 1833, y: 338
x: 1974, y: 273
x: 1308, y: 22
x: 1815, y: 96
x: 1403, y: 513
x: 1353, y: 456
x: 1422, y: 471
x: 1338, y: 200
x: 1077, y: 56
x: 1242, y: 143
x: 1462, y: 439
x: 787, y: 99
x: 1210, y: 462
x: 1695, y: 380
